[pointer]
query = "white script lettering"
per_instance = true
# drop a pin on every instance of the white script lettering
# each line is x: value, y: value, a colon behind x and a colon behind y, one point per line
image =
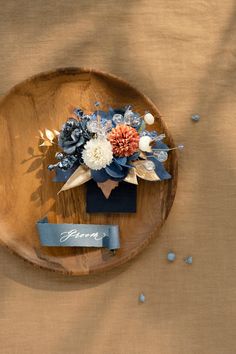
x: 66, y: 235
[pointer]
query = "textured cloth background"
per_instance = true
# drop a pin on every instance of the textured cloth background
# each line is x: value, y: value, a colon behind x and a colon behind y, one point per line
x: 182, y: 55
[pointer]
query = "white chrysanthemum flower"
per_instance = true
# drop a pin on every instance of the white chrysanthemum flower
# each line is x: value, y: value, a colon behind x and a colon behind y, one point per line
x: 97, y: 153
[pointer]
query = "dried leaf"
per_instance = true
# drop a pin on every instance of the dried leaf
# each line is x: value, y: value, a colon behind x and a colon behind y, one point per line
x: 131, y: 177
x: 81, y: 175
x: 107, y: 187
x: 41, y: 134
x: 56, y: 132
x: 143, y: 173
x: 46, y: 143
x: 49, y: 134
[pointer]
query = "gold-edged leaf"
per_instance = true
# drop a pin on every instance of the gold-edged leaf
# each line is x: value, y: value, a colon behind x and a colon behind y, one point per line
x: 143, y: 173
x: 107, y: 187
x: 132, y: 176
x: 49, y: 134
x: 81, y: 175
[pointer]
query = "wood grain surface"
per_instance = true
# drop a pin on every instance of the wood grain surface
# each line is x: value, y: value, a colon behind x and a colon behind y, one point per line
x: 27, y: 190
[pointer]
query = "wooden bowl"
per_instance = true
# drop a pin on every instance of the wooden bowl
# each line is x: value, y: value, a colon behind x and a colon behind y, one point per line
x: 27, y: 192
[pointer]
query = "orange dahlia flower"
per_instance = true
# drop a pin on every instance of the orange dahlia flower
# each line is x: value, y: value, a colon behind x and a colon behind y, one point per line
x: 124, y: 140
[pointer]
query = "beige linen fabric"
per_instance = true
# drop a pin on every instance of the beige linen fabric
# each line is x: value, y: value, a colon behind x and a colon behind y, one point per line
x: 182, y: 55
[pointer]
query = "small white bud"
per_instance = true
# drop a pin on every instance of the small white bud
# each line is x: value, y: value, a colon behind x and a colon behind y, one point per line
x: 144, y: 143
x: 149, y: 119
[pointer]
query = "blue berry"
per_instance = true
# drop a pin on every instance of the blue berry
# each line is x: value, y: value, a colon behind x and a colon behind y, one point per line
x: 195, y: 117
x: 171, y: 256
x: 188, y: 260
x: 142, y: 298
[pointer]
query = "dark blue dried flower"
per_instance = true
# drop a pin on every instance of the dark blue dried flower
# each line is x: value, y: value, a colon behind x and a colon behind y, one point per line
x: 73, y: 136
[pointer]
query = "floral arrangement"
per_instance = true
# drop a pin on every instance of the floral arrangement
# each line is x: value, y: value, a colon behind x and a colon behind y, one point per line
x: 108, y: 147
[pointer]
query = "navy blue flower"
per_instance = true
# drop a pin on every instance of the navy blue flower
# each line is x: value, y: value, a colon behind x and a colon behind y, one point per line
x: 73, y: 136
x: 116, y: 171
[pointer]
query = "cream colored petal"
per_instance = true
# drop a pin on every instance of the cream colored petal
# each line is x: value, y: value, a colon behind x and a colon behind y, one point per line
x: 80, y: 176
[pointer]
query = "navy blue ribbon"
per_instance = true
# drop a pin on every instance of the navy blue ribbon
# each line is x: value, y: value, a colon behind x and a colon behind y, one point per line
x: 78, y: 235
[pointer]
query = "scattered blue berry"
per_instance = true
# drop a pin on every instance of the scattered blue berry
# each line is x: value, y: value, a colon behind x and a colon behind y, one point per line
x: 171, y: 256
x: 188, y: 260
x: 195, y: 117
x: 142, y: 298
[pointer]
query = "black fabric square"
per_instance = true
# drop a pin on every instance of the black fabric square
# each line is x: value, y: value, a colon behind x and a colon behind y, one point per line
x: 122, y: 199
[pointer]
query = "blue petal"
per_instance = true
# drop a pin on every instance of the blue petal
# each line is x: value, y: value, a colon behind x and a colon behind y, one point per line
x: 62, y: 176
x: 153, y: 134
x: 122, y: 165
x: 121, y: 160
x: 114, y: 170
x: 80, y: 142
x: 99, y: 175
x: 159, y: 169
x: 125, y: 172
x: 160, y: 145
x: 133, y: 157
x: 69, y: 149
